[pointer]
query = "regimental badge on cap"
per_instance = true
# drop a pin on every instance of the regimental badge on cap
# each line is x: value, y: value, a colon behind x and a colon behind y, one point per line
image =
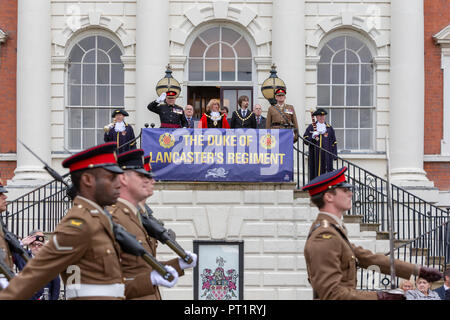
x: 327, y: 181
x: 280, y: 92
x: 101, y: 156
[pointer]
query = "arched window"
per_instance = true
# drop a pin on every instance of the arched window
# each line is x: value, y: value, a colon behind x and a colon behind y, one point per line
x: 220, y: 54
x: 95, y: 87
x: 345, y: 87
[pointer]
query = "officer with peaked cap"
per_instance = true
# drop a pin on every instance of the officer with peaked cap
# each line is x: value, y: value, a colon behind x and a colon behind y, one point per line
x: 120, y: 132
x: 282, y: 115
x: 321, y: 135
x: 83, y: 249
x: 133, y: 190
x: 5, y: 253
x: 170, y: 114
x: 331, y: 259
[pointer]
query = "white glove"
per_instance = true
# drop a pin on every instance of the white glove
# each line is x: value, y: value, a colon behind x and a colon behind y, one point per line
x: 315, y: 134
x: 161, y: 98
x: 4, y: 283
x: 158, y: 280
x: 184, y: 265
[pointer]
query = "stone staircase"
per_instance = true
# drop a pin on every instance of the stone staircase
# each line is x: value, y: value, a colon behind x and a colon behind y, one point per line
x: 273, y: 221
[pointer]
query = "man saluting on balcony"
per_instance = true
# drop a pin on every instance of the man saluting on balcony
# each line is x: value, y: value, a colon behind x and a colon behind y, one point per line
x: 331, y: 259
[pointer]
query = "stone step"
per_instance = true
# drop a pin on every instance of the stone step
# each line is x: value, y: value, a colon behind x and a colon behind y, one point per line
x: 370, y: 226
x: 350, y: 218
x: 301, y: 194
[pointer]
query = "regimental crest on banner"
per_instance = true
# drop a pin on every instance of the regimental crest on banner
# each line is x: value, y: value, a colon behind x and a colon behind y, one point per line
x: 217, y: 173
x: 166, y: 140
x: 217, y: 285
x: 268, y: 141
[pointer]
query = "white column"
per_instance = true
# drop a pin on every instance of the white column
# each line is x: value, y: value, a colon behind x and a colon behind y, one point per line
x: 406, y: 129
x: 445, y: 142
x: 33, y: 91
x: 288, y: 51
x: 152, y: 55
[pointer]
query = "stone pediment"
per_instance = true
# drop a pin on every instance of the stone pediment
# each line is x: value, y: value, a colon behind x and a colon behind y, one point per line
x: 3, y: 36
x: 443, y: 37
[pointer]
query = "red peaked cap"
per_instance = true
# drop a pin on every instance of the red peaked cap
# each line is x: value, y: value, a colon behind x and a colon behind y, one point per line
x: 101, y: 156
x: 326, y: 181
x: 171, y: 93
x: 280, y: 91
x: 133, y: 160
x: 147, y: 165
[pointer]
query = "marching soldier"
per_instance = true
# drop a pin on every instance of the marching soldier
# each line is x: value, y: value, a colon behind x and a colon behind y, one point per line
x: 243, y: 118
x: 320, y: 134
x: 281, y: 115
x: 135, y: 187
x: 120, y: 132
x: 331, y: 259
x: 84, y: 249
x: 5, y: 253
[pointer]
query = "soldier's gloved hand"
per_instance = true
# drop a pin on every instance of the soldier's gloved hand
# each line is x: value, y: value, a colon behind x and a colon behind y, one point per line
x: 315, y: 134
x: 383, y: 295
x: 158, y: 280
x: 184, y: 265
x: 4, y: 283
x: 161, y: 98
x: 430, y: 274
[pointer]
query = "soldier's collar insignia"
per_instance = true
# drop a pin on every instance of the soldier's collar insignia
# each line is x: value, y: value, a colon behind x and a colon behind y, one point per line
x: 326, y: 236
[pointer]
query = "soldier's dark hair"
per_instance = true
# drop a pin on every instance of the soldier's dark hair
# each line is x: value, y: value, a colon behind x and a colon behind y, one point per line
x: 242, y: 98
x: 76, y: 177
x: 317, y: 199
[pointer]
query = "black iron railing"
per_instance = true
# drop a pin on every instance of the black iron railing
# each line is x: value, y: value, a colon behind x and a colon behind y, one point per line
x: 413, y: 216
x: 431, y: 249
x: 40, y: 209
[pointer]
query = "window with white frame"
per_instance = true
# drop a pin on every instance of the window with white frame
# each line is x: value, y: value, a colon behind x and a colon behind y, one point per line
x: 95, y: 87
x: 345, y: 88
x: 220, y: 54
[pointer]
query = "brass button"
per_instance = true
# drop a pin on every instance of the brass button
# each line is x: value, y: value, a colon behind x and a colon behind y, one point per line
x: 108, y: 251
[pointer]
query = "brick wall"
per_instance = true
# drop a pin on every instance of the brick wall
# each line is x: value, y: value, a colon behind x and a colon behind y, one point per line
x: 8, y: 54
x: 437, y: 16
x: 439, y: 173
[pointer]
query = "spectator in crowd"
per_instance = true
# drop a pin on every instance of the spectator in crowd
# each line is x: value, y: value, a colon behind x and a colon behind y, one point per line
x: 243, y: 118
x: 35, y: 241
x: 212, y: 117
x: 444, y: 290
x: 423, y: 291
x: 406, y: 285
x: 224, y: 110
x: 260, y: 120
x: 189, y: 114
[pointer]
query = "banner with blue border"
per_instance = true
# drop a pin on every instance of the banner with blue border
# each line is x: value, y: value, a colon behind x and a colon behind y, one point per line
x: 241, y: 155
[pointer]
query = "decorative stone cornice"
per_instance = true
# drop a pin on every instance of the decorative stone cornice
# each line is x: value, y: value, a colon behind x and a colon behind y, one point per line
x: 3, y: 36
x: 443, y: 37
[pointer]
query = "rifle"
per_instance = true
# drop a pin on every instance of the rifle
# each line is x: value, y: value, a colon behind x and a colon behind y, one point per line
x: 4, y: 268
x: 126, y: 240
x: 156, y: 230
x: 14, y: 243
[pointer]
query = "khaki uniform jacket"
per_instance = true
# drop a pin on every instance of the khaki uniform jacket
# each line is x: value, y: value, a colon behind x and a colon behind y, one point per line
x: 331, y: 263
x: 83, y: 238
x: 275, y: 120
x: 5, y: 248
x: 124, y: 213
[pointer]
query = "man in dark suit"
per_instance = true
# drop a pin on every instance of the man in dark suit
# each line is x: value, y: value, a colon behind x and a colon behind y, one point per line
x: 189, y: 114
x: 120, y: 132
x: 243, y: 118
x: 260, y: 120
x: 444, y: 290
